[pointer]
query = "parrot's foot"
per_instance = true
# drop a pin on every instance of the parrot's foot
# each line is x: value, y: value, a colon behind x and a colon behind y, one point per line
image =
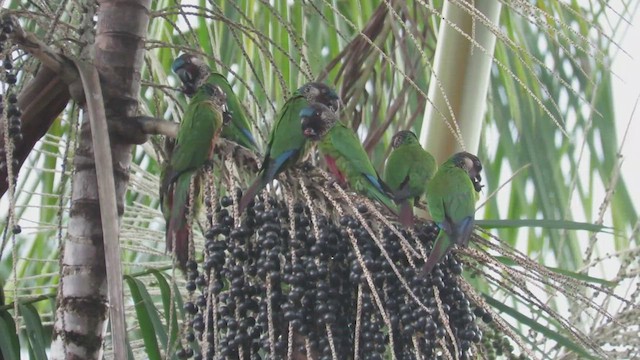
x: 306, y: 166
x: 420, y: 205
x: 207, y: 166
x: 332, y: 180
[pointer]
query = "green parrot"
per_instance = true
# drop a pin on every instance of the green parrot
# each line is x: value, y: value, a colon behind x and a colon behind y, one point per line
x: 194, y: 145
x: 189, y: 68
x: 408, y: 171
x: 346, y: 158
x: 451, y: 198
x: 286, y: 144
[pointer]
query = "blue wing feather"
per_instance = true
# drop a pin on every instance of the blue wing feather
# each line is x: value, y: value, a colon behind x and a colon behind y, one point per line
x: 248, y: 134
x: 279, y: 162
x: 374, y: 181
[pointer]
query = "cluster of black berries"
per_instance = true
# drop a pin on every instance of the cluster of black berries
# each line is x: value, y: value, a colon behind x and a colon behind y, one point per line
x: 190, y: 308
x: 319, y: 299
x: 498, y: 346
x: 269, y: 290
x: 227, y: 315
x: 9, y: 103
x: 13, y: 128
x: 416, y: 327
x: 6, y: 28
x: 13, y: 114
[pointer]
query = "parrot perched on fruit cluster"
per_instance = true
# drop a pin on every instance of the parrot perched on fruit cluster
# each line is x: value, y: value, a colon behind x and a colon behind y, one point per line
x: 451, y: 199
x: 287, y: 145
x: 202, y: 122
x: 408, y: 171
x: 191, y: 69
x: 346, y: 158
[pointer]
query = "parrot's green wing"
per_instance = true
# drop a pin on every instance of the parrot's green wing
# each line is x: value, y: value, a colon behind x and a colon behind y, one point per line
x: 198, y: 131
x: 436, y: 193
x: 400, y: 174
x: 343, y: 145
x: 396, y: 171
x: 461, y: 203
x: 200, y: 124
x: 239, y: 130
x: 286, y: 146
x: 286, y: 139
x: 351, y: 157
x: 450, y: 194
x: 435, y: 204
x: 408, y: 170
x: 460, y: 207
x: 451, y: 200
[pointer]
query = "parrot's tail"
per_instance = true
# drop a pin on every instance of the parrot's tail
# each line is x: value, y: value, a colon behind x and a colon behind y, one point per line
x: 384, y: 200
x: 249, y: 140
x: 178, y: 244
x: 463, y: 231
x: 439, y: 251
x: 405, y: 214
x: 250, y: 193
x: 377, y: 191
x: 179, y: 226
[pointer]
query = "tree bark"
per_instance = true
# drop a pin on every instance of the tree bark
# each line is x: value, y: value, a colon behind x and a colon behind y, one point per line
x: 82, y: 297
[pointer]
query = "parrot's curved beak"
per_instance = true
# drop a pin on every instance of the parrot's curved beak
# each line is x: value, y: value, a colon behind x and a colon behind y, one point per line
x: 305, y: 122
x: 184, y: 75
x: 310, y: 133
x: 188, y: 87
x: 476, y: 183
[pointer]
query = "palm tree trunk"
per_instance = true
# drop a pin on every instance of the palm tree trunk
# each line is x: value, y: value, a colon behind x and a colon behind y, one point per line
x: 458, y: 90
x: 82, y: 297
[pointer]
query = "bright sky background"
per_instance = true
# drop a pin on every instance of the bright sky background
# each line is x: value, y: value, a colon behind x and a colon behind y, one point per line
x: 626, y: 89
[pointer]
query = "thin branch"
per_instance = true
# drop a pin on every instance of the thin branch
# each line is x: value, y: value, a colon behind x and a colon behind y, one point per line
x: 154, y: 126
x: 50, y: 58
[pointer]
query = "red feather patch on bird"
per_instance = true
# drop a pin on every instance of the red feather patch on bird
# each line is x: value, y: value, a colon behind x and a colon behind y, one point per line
x: 333, y: 167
